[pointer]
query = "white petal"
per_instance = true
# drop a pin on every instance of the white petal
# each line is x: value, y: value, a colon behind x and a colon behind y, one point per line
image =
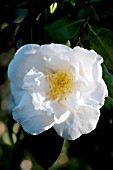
x: 33, y: 121
x: 52, y: 48
x: 37, y: 100
x: 85, y: 56
x: 32, y: 55
x: 86, y: 61
x: 96, y: 97
x: 89, y: 81
x: 97, y: 68
x: 56, y: 56
x: 26, y: 57
x: 61, y: 112
x: 68, y: 129
x: 17, y: 93
x: 81, y: 121
x: 58, y: 63
x: 35, y: 81
x: 72, y: 100
x: 87, y: 118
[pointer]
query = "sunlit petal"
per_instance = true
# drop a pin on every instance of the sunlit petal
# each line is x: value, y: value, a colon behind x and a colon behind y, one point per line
x: 32, y: 120
x: 61, y: 112
x: 81, y: 121
x: 25, y: 58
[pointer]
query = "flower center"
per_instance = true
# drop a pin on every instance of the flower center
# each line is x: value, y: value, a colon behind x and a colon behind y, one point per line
x: 61, y: 84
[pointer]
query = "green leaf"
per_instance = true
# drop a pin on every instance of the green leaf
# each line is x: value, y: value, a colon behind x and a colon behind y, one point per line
x: 45, y: 147
x: 6, y: 34
x: 95, y: 16
x: 108, y: 78
x: 91, y: 1
x: 108, y: 103
x: 30, y: 31
x: 101, y: 40
x: 64, y: 29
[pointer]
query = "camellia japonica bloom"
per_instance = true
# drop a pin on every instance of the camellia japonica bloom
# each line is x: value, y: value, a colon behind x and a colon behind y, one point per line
x: 56, y: 86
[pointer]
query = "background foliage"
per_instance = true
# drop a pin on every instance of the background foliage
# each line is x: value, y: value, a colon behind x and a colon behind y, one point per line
x: 87, y: 23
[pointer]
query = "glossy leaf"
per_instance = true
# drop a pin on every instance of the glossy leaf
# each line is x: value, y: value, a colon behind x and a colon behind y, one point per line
x: 91, y: 1
x: 108, y: 104
x: 30, y: 4
x: 95, y: 16
x: 108, y: 78
x: 6, y: 34
x: 64, y: 29
x: 45, y: 147
x: 30, y: 31
x: 101, y: 40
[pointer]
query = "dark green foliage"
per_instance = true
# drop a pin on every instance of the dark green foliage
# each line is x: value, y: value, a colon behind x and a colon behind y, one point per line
x: 101, y: 40
x: 45, y: 148
x: 64, y: 29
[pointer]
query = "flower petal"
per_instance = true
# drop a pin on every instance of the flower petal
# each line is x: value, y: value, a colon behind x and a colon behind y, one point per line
x: 61, y: 112
x: 26, y: 57
x: 33, y: 121
x: 72, y: 100
x: 17, y: 93
x: 86, y: 61
x: 97, y: 68
x: 35, y: 81
x: 56, y: 56
x: 87, y: 118
x: 81, y: 121
x: 96, y: 97
x: 32, y: 55
x: 68, y: 129
x: 85, y: 56
x: 52, y: 48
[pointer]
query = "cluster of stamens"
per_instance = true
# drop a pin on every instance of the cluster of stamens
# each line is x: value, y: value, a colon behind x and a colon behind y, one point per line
x: 61, y: 84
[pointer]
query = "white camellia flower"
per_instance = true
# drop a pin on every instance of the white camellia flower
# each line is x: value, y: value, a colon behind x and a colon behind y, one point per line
x: 57, y: 86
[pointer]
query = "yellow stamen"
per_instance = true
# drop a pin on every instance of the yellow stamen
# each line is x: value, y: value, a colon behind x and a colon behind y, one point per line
x: 61, y: 84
